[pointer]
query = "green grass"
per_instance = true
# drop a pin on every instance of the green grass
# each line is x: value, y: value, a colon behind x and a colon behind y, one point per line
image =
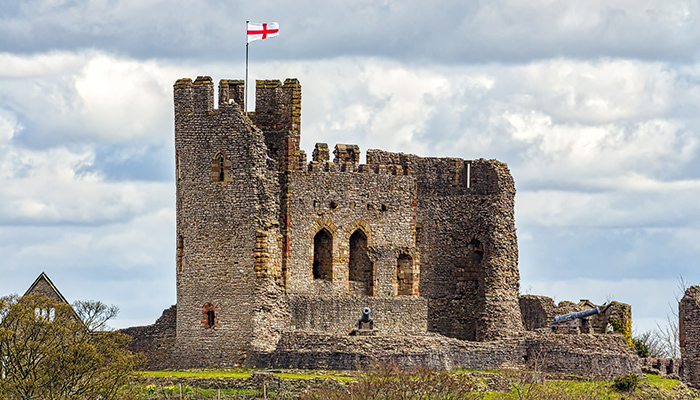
x: 214, y: 373
x: 294, y: 375
x: 661, y: 382
x: 553, y: 388
x: 240, y: 374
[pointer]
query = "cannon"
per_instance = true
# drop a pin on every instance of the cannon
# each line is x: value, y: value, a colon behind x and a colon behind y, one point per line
x: 366, y: 316
x: 365, y: 325
x: 576, y: 315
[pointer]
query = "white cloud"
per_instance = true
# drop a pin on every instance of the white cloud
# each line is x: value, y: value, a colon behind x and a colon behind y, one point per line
x: 88, y: 96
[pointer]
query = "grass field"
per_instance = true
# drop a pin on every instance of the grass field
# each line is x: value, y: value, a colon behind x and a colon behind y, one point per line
x: 409, y: 385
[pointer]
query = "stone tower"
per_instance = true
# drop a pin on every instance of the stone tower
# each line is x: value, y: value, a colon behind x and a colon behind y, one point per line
x: 270, y: 245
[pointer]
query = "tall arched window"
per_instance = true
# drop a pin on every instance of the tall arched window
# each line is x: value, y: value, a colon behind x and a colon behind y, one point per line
x: 220, y: 166
x: 323, y: 255
x: 359, y: 265
x: 405, y: 276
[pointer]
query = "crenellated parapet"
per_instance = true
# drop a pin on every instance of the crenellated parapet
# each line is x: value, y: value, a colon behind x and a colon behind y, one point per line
x: 347, y: 158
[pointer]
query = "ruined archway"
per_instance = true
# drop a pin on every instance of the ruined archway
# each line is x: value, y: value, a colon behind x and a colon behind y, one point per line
x: 323, y: 255
x: 360, y: 267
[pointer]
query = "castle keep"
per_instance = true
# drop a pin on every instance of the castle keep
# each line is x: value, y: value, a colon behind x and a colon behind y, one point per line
x: 277, y: 255
x: 271, y: 242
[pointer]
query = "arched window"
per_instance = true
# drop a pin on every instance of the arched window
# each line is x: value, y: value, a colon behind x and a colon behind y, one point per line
x: 405, y: 277
x: 220, y: 168
x: 323, y: 255
x: 359, y: 265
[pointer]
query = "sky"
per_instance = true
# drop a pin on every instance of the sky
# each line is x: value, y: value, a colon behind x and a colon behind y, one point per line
x: 594, y: 106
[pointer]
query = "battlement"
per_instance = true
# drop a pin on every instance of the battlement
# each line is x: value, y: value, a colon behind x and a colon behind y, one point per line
x: 271, y: 96
x: 347, y: 159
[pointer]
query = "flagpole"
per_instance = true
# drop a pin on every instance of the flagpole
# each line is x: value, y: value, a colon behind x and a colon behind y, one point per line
x: 245, y: 100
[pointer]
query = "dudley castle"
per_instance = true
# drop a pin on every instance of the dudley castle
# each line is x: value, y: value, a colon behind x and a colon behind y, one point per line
x: 278, y: 254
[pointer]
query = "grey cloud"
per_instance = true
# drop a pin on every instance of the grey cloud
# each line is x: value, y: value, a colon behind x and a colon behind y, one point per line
x: 454, y: 32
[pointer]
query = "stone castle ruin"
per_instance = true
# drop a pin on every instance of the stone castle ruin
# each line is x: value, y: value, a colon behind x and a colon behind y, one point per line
x: 277, y: 255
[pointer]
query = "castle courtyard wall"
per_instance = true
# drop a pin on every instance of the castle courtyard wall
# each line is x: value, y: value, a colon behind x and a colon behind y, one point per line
x: 379, y: 205
x: 467, y: 242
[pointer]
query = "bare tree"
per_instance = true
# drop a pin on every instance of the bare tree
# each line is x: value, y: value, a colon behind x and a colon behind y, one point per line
x: 667, y: 334
x: 95, y: 314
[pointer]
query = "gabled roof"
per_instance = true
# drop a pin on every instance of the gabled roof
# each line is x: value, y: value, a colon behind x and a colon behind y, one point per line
x: 43, y: 285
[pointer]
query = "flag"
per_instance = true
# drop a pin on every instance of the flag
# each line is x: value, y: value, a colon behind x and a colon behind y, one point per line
x: 260, y: 31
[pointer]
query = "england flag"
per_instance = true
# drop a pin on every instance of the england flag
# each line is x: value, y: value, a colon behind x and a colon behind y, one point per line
x: 260, y: 31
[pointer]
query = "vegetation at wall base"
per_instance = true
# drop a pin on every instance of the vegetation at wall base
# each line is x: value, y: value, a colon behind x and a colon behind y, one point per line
x: 48, y: 352
x: 390, y: 383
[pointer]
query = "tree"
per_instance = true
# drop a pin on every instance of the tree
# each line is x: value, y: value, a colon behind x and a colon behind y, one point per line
x: 95, y: 314
x: 48, y: 352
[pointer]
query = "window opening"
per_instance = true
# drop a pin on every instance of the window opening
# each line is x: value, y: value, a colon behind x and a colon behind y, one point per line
x: 221, y: 168
x: 323, y: 255
x: 180, y: 252
x: 359, y: 265
x: 219, y: 165
x: 404, y: 275
x: 209, y: 318
x: 478, y: 250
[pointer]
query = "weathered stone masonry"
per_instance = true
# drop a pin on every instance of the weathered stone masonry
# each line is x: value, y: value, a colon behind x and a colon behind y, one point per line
x: 277, y: 255
x: 689, y: 336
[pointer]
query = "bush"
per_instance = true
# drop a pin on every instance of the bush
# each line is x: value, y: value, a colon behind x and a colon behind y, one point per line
x: 641, y: 348
x: 626, y: 383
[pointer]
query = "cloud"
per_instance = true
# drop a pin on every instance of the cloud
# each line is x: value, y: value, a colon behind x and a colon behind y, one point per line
x: 87, y: 97
x: 409, y: 30
x: 603, y: 151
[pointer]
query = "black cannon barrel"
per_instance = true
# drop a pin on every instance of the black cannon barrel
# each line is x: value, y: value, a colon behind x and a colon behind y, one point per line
x: 577, y: 315
x: 365, y: 315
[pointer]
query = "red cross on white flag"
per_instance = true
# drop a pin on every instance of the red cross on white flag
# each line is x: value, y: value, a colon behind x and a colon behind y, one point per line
x: 260, y: 31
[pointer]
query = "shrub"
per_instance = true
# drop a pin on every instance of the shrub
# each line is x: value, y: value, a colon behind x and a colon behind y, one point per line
x: 626, y: 383
x: 641, y: 348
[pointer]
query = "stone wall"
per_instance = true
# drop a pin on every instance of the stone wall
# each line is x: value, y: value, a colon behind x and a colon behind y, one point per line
x: 689, y: 335
x: 539, y: 311
x: 156, y: 341
x: 661, y: 366
x: 589, y: 355
x: 375, y: 204
x: 467, y: 241
x: 227, y: 225
x: 337, y: 315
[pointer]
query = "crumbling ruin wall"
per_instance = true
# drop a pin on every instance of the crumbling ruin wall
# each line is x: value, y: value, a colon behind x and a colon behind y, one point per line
x: 156, y: 341
x: 227, y: 226
x: 603, y: 356
x: 539, y: 311
x: 661, y: 366
x: 689, y: 335
x: 355, y: 200
x: 467, y: 241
